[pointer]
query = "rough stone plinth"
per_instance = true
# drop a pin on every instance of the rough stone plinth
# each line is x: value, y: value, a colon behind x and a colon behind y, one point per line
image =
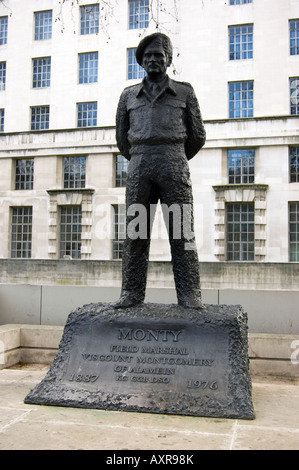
x: 153, y: 358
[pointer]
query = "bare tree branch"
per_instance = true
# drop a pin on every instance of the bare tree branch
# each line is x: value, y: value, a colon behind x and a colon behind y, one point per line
x: 3, y: 2
x: 156, y: 7
x: 106, y: 13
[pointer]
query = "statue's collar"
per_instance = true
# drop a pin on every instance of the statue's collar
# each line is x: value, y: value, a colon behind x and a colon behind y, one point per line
x: 168, y: 85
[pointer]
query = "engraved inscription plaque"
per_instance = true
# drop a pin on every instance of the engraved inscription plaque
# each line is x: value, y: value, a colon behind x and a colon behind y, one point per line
x: 146, y: 355
x: 155, y: 358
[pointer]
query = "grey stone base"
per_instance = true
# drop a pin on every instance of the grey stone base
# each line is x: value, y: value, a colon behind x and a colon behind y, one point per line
x: 152, y: 358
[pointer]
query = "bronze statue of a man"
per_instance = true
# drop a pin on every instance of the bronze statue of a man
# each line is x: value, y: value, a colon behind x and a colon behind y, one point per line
x: 158, y: 129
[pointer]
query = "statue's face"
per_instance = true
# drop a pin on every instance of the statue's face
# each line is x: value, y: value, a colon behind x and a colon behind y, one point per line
x: 155, y: 60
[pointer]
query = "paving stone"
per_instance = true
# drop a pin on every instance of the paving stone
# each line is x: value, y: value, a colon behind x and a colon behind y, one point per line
x: 34, y: 427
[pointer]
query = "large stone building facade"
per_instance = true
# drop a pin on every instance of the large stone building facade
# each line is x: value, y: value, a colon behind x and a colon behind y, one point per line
x: 62, y: 185
x: 63, y: 66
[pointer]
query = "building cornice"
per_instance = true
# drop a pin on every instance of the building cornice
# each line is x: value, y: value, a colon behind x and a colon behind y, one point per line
x: 103, y: 128
x: 255, y: 186
x: 54, y: 192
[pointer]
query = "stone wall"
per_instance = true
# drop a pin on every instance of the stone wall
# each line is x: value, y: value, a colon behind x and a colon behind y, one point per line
x: 43, y: 292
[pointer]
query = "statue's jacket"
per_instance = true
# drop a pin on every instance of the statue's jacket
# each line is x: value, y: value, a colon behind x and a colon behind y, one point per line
x: 172, y: 117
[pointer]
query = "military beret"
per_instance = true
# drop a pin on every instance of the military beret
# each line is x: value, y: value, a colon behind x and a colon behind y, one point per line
x: 166, y: 43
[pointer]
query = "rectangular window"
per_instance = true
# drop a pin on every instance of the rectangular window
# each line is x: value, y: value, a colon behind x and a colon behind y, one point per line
x: 135, y: 71
x: 74, y: 172
x: 241, y: 166
x: 240, y: 232
x: 294, y: 93
x: 21, y: 232
x: 2, y: 76
x: 294, y: 37
x: 89, y: 19
x: 3, y: 29
x: 138, y: 14
x: 87, y: 114
x: 41, y: 72
x: 24, y: 173
x: 239, y: 2
x: 241, y: 42
x: 2, y: 114
x: 88, y: 67
x: 70, y: 231
x: 119, y: 230
x: 294, y: 230
x: 121, y: 168
x: 294, y: 164
x: 40, y: 117
x: 43, y: 25
x: 240, y: 99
